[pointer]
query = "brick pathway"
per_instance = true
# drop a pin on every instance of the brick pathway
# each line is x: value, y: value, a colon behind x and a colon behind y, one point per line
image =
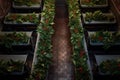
x: 62, y: 68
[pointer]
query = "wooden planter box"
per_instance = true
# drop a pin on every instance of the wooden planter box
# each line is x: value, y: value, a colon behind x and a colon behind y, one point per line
x: 22, y: 47
x: 99, y: 45
x: 85, y: 7
x: 23, y: 25
x: 105, y: 76
x: 21, y: 74
x: 98, y: 23
x: 26, y: 8
x: 98, y: 28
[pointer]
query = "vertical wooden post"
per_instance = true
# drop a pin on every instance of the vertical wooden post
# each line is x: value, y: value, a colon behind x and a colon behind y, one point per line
x: 4, y: 7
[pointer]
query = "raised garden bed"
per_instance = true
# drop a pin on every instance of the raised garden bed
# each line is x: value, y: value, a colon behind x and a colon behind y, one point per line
x: 27, y: 6
x: 104, y: 39
x: 92, y: 5
x: 98, y: 18
x: 17, y: 41
x: 107, y: 67
x: 23, y: 21
x: 13, y: 66
x: 18, y: 28
x: 98, y: 28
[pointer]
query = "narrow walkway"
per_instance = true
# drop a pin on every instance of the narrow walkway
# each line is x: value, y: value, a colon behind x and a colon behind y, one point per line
x: 62, y: 68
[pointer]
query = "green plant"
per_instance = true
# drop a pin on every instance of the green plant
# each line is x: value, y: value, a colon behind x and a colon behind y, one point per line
x: 81, y: 67
x: 11, y: 66
x: 88, y: 16
x: 116, y: 36
x: 98, y: 16
x: 20, y: 18
x: 79, y: 57
x: 107, y: 38
x: 44, y: 54
x: 14, y: 38
x: 110, y: 67
x: 93, y: 2
x: 26, y: 2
